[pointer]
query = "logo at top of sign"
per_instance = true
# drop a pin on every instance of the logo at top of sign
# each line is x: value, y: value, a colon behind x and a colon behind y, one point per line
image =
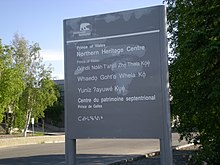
x: 85, y: 29
x: 85, y: 26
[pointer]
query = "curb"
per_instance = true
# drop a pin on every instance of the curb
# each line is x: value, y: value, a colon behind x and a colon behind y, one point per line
x: 184, y: 146
x: 8, y: 142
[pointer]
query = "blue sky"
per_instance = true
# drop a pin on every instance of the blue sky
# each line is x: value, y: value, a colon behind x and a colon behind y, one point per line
x: 41, y: 21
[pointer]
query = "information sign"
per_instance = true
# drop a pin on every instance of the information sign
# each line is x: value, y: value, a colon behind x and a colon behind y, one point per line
x: 114, y: 74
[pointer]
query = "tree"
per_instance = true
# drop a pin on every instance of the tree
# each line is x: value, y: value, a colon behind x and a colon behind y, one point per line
x: 11, y: 85
x: 53, y: 113
x: 39, y: 89
x: 195, y: 73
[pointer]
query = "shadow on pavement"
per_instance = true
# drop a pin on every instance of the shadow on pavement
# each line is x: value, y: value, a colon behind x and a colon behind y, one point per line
x: 82, y: 159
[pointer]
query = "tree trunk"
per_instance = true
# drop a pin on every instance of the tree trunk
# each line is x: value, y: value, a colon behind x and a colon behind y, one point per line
x: 7, y: 123
x: 9, y: 119
x: 27, y: 122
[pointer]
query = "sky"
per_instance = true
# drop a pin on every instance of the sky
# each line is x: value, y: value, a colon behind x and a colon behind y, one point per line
x: 41, y: 21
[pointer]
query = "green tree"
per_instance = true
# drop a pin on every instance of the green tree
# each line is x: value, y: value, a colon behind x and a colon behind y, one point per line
x: 39, y: 89
x: 11, y: 85
x: 194, y: 37
x: 53, y: 113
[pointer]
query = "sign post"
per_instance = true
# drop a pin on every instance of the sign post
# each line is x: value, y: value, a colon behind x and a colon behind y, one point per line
x: 32, y: 123
x: 116, y: 78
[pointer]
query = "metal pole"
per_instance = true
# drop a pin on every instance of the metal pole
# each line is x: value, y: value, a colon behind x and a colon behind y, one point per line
x: 32, y: 123
x: 43, y: 125
x: 166, y: 156
x: 32, y: 129
x: 70, y: 151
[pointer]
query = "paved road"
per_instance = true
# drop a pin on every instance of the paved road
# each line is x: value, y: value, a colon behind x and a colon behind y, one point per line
x: 89, y: 152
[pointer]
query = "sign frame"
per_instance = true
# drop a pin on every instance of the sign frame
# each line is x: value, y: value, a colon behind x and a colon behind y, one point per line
x: 84, y: 31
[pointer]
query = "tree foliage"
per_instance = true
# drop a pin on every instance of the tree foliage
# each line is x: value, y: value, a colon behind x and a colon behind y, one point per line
x: 11, y: 85
x: 195, y: 72
x: 53, y: 113
x: 26, y: 86
x: 39, y: 92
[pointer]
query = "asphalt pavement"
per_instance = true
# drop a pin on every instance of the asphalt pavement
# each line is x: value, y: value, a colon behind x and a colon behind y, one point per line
x: 89, y: 151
